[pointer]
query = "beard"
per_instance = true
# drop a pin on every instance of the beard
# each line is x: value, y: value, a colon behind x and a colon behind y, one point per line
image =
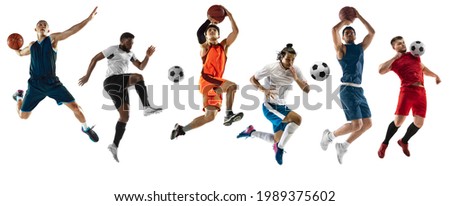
x: 125, y: 49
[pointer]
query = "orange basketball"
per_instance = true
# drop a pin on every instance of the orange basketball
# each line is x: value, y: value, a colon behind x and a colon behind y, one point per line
x: 15, y: 41
x: 217, y: 13
x: 347, y: 13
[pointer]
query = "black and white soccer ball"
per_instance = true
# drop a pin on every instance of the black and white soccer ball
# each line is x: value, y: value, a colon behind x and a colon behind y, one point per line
x: 320, y: 71
x: 417, y: 48
x: 176, y: 74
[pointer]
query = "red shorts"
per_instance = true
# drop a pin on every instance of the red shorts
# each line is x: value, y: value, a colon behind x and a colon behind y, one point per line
x: 412, y: 97
x: 210, y: 97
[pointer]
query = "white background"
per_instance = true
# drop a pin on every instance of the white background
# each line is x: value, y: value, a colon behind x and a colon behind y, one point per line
x: 46, y: 160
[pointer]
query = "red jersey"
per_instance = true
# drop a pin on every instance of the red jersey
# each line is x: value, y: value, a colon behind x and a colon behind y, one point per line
x: 214, y: 61
x: 408, y: 67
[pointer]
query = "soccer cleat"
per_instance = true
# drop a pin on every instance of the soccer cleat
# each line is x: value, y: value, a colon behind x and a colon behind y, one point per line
x: 177, y: 131
x: 382, y: 150
x: 340, y: 150
x: 279, y: 155
x: 18, y: 93
x: 229, y: 119
x: 247, y: 132
x: 91, y: 133
x: 326, y: 139
x: 149, y: 110
x: 113, y: 149
x: 404, y: 147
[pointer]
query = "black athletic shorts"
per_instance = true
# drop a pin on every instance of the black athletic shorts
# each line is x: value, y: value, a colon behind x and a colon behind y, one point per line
x: 116, y: 87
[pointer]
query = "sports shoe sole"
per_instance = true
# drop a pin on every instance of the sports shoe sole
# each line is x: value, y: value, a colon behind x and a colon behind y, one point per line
x: 235, y: 118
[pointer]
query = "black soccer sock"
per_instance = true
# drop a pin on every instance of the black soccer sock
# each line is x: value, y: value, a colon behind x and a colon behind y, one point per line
x: 141, y: 89
x: 412, y: 130
x: 120, y: 129
x: 392, y: 129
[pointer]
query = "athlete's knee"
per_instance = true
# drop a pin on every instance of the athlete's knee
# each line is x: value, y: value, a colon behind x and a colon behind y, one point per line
x: 209, y: 117
x: 293, y: 117
x: 357, y: 125
x: 135, y: 78
x: 367, y: 124
x: 24, y: 115
x: 124, y: 116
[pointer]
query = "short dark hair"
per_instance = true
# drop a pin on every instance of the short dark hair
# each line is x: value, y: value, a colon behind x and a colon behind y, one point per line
x: 213, y: 26
x: 126, y: 35
x: 395, y: 39
x: 348, y: 28
x: 287, y: 49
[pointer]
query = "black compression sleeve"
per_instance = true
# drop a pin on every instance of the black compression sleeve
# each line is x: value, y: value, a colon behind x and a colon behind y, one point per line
x: 201, y: 32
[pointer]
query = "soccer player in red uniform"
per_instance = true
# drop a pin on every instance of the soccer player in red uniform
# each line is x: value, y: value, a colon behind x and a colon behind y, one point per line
x: 412, y: 95
x: 212, y: 85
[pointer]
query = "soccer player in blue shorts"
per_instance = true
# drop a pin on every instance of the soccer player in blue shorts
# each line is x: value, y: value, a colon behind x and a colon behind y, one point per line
x: 354, y: 103
x: 43, y: 81
x: 278, y: 79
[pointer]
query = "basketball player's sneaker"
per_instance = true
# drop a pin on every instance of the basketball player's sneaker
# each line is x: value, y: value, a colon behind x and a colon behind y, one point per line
x: 230, y: 118
x: 326, y: 139
x: 177, y: 131
x: 340, y: 151
x: 247, y: 132
x: 113, y: 149
x: 91, y: 133
x: 18, y: 93
x: 150, y: 110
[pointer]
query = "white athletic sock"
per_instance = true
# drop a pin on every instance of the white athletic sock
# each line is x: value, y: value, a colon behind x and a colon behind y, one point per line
x: 84, y: 126
x: 19, y: 98
x: 287, y: 133
x: 268, y: 137
x: 345, y: 144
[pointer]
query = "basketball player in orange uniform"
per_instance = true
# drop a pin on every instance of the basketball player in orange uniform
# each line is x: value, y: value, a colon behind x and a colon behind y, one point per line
x: 212, y: 85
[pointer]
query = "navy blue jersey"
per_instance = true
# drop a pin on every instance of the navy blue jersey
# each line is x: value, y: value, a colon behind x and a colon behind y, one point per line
x: 43, y: 59
x: 352, y: 64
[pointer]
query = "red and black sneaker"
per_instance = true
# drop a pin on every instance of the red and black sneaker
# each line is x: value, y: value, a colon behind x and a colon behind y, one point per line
x: 382, y: 150
x: 404, y: 147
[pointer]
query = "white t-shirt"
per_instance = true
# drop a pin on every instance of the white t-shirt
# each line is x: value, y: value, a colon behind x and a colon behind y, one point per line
x: 279, y: 80
x: 117, y: 60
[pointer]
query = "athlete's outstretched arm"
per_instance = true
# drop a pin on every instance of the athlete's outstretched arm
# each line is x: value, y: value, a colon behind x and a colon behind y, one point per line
x: 83, y: 80
x: 25, y: 51
x: 371, y: 32
x: 235, y: 30
x: 428, y: 72
x: 141, y: 65
x: 58, y: 36
x: 338, y: 45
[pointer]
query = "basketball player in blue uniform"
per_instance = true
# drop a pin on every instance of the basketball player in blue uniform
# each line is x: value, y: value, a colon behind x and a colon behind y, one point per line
x: 43, y: 81
x: 354, y: 103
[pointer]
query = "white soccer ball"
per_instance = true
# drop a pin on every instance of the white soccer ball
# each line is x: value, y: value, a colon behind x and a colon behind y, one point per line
x: 176, y: 74
x: 320, y: 71
x: 417, y: 48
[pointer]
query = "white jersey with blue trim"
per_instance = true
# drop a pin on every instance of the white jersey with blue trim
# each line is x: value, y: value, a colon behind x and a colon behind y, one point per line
x: 279, y: 80
x: 117, y: 60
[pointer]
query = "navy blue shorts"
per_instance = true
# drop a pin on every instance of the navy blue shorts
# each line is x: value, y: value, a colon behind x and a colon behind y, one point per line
x: 38, y: 89
x: 275, y: 114
x: 354, y: 103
